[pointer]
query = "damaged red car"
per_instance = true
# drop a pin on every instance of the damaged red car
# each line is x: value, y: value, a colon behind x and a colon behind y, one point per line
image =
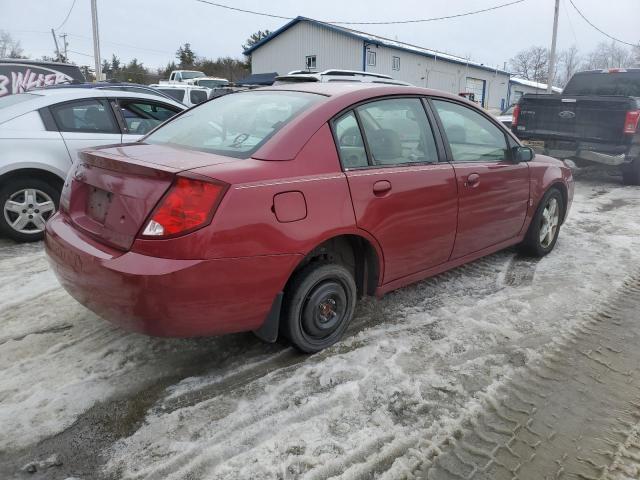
x: 274, y: 210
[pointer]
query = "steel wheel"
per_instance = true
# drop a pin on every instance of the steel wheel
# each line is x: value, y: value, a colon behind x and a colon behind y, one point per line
x: 323, y: 310
x: 319, y: 302
x: 26, y: 211
x: 550, y: 220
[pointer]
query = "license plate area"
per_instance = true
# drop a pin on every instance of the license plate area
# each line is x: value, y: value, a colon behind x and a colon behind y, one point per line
x: 98, y: 203
x: 533, y: 143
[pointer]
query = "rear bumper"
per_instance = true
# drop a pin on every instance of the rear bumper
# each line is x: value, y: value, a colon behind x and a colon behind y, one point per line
x: 166, y: 297
x: 606, y: 154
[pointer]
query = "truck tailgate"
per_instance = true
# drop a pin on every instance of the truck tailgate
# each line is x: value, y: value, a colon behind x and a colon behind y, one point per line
x: 587, y: 118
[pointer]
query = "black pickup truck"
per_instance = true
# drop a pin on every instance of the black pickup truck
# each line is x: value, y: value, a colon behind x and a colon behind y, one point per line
x: 594, y: 119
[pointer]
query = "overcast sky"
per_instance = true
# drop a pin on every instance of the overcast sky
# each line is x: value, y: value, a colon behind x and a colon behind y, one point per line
x: 152, y: 30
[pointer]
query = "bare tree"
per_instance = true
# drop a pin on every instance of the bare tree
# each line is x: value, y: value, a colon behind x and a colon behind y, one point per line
x: 568, y: 64
x: 636, y: 56
x: 9, y: 48
x: 608, y: 55
x: 531, y: 64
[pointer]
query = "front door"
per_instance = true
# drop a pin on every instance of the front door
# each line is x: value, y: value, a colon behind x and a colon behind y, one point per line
x: 401, y: 194
x: 493, y: 189
x: 86, y: 123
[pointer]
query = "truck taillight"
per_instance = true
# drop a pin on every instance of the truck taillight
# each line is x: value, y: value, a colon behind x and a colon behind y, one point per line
x: 187, y: 206
x: 516, y: 114
x: 631, y: 121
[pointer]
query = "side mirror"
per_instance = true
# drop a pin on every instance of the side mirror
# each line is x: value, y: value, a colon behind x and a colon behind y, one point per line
x: 522, y: 154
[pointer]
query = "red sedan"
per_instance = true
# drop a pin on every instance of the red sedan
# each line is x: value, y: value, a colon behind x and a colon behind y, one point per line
x: 273, y: 210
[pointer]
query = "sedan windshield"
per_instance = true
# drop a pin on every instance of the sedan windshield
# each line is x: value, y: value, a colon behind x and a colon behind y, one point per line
x: 234, y: 125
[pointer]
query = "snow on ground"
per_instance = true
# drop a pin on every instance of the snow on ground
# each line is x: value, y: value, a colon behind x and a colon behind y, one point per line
x: 414, y: 364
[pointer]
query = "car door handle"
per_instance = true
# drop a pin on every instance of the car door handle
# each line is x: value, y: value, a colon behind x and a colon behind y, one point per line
x: 381, y: 187
x: 473, y: 180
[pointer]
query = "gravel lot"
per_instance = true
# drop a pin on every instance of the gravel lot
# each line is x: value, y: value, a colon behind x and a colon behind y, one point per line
x: 442, y: 379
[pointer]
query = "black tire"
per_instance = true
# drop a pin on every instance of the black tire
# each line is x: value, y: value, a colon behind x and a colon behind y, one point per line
x: 532, y: 244
x: 631, y: 173
x: 9, y: 190
x: 318, y: 305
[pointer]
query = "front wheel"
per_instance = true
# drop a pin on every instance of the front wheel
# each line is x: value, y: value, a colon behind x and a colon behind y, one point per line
x: 319, y: 304
x: 545, y: 226
x: 27, y: 203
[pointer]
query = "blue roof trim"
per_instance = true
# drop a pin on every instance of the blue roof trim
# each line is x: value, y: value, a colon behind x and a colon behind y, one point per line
x: 368, y: 40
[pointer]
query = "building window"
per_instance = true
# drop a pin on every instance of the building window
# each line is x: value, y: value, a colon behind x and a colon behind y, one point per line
x: 371, y: 58
x: 395, y: 63
x: 310, y: 61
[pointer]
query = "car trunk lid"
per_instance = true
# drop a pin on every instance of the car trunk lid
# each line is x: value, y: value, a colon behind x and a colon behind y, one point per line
x: 113, y: 191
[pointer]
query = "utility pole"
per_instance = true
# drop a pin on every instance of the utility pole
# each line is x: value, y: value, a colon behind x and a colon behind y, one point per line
x: 64, y: 44
x: 552, y: 53
x: 55, y: 40
x: 96, y: 40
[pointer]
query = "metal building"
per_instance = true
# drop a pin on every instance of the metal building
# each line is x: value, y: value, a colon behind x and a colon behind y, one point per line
x: 304, y: 43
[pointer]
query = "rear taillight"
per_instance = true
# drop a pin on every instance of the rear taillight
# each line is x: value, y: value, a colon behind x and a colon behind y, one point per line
x: 631, y: 121
x: 516, y: 114
x: 187, y: 206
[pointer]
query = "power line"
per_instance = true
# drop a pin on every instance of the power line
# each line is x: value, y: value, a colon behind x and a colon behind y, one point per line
x: 68, y: 14
x: 601, y: 31
x: 566, y: 11
x: 433, y: 19
x: 80, y: 53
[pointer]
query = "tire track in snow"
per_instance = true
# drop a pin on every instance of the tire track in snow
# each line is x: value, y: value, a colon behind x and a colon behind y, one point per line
x: 575, y: 413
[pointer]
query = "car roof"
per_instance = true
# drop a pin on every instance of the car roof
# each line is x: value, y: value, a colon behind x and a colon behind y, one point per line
x: 179, y: 85
x: 46, y: 97
x: 334, y: 89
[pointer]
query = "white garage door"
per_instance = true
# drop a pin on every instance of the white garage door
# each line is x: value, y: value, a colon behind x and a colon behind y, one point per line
x: 476, y: 86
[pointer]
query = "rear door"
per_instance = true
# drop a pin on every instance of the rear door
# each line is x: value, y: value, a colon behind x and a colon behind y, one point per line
x: 493, y: 190
x: 86, y: 123
x: 401, y: 193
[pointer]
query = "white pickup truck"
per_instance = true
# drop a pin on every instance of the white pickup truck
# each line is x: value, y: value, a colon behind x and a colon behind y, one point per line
x: 182, y: 76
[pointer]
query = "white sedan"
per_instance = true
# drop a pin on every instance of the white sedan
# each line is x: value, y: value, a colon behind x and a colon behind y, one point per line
x: 41, y: 133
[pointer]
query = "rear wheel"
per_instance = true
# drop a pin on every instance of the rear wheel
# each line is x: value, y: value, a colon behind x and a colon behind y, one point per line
x: 631, y: 173
x: 319, y: 304
x: 545, y: 226
x: 27, y: 203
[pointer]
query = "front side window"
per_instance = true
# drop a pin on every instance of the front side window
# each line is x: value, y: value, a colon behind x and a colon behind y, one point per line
x: 142, y: 117
x: 471, y: 136
x: 175, y: 93
x: 395, y: 63
x: 397, y: 131
x: 350, y: 143
x: 310, y: 61
x: 371, y: 58
x: 234, y: 125
x: 92, y: 116
x: 198, y: 96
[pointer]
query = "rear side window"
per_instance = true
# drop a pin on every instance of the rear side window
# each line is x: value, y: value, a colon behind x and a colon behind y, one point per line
x: 350, y: 143
x: 175, y: 93
x: 397, y: 131
x: 198, y: 96
x: 142, y: 117
x: 234, y: 125
x: 92, y: 116
x: 471, y: 137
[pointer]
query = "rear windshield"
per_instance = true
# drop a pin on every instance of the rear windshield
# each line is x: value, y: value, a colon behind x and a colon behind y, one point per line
x: 598, y: 83
x: 234, y: 125
x: 175, y: 93
x: 10, y: 100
